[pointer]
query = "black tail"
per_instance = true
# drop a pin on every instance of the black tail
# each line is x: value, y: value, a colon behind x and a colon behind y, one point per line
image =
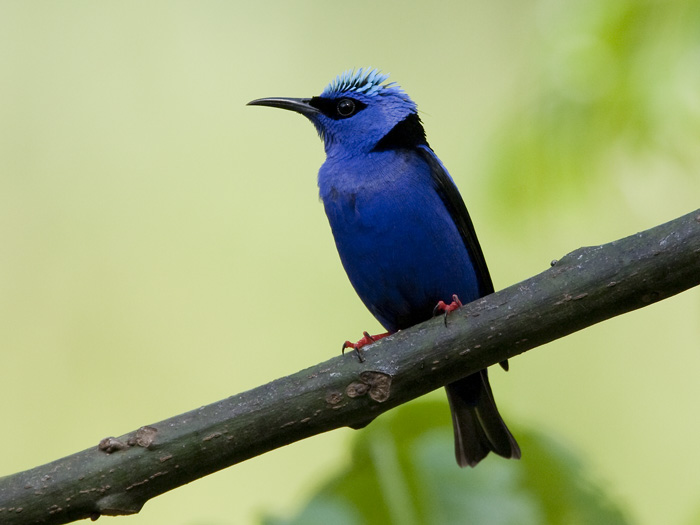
x: 479, y: 428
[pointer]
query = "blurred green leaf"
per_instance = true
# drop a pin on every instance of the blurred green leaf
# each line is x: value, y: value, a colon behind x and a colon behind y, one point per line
x: 403, y: 471
x: 613, y: 80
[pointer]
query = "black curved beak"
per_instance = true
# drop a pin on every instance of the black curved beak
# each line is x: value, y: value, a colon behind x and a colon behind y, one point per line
x: 300, y: 105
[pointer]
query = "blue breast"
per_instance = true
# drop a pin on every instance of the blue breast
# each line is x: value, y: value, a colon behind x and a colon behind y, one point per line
x: 396, y: 239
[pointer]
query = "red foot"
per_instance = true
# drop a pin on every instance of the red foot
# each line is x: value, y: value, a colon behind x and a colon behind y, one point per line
x: 366, y: 340
x: 447, y: 308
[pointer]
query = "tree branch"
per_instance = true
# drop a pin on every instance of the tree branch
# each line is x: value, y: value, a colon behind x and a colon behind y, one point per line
x: 585, y: 287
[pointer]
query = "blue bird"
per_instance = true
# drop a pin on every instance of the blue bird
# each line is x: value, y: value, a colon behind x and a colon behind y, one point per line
x: 402, y: 230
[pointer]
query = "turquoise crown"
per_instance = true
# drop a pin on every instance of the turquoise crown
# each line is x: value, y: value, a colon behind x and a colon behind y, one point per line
x: 367, y: 81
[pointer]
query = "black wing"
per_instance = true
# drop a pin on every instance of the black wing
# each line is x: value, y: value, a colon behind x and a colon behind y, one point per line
x: 450, y: 196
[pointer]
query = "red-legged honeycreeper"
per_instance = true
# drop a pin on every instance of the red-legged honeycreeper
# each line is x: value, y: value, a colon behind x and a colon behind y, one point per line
x: 402, y: 230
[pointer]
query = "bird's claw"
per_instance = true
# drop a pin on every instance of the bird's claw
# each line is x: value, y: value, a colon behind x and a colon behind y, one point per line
x: 364, y: 341
x: 442, y: 306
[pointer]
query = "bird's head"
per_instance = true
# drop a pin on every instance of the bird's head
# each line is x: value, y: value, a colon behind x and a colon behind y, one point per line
x: 357, y: 113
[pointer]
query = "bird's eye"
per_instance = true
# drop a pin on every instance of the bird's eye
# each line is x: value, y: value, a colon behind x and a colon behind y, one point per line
x: 345, y: 107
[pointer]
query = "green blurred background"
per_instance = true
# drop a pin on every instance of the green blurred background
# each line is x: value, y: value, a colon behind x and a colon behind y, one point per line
x: 162, y: 245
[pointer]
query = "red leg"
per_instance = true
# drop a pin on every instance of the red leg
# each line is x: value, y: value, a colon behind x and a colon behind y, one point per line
x: 366, y: 340
x: 447, y: 308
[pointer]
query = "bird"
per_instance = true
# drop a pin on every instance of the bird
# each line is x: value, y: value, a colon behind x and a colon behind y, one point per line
x: 402, y: 230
